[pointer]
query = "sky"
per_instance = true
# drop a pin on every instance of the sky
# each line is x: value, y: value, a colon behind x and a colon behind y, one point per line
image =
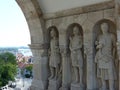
x: 13, y: 26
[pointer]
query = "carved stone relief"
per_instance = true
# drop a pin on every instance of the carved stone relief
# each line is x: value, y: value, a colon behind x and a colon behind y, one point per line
x: 54, y: 59
x: 105, y: 55
x: 67, y: 63
x: 75, y: 44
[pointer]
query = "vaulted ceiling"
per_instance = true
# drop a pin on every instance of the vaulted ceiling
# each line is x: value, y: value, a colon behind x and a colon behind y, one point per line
x: 51, y: 6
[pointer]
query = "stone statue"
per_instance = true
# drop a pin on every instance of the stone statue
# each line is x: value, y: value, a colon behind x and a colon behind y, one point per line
x: 76, y: 55
x: 104, y: 58
x: 54, y: 54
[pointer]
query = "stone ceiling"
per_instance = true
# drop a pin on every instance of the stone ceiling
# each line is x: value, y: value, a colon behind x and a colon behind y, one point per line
x: 51, y: 6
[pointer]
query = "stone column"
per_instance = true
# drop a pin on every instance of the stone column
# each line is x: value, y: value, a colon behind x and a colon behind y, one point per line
x: 88, y: 55
x: 36, y: 23
x: 117, y: 18
x: 40, y: 67
x: 118, y: 53
x: 118, y: 50
x: 90, y: 67
x: 66, y: 69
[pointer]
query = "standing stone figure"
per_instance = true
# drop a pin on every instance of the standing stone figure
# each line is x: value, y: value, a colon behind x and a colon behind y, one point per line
x: 105, y: 57
x: 76, y: 55
x: 54, y: 54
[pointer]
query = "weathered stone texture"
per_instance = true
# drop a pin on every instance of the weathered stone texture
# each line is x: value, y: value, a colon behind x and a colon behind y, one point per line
x: 89, y: 20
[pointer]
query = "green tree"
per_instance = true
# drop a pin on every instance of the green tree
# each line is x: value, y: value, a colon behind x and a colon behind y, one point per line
x: 29, y: 69
x: 8, y: 58
x: 8, y: 68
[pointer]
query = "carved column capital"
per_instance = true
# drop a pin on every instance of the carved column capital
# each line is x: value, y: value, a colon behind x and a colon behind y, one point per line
x: 39, y: 46
x: 39, y: 49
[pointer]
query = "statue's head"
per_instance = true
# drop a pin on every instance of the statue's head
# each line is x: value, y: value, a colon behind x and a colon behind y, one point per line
x: 53, y: 33
x: 76, y: 30
x: 104, y: 27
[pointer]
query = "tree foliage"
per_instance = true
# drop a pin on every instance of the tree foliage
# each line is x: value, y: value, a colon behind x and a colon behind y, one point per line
x: 8, y: 68
x: 29, y: 69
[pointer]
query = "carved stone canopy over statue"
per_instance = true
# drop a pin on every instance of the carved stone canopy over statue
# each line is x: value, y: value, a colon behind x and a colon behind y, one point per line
x: 54, y: 53
x: 104, y: 58
x: 76, y: 44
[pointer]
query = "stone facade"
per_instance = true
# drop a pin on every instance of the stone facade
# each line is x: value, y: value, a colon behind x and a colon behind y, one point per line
x: 64, y: 73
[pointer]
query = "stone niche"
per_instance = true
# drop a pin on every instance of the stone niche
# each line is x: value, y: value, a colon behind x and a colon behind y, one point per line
x: 105, y: 80
x: 75, y: 49
x: 77, y: 36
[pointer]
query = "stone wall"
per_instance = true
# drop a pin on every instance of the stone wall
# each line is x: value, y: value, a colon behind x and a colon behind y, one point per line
x: 88, y: 21
x: 61, y: 39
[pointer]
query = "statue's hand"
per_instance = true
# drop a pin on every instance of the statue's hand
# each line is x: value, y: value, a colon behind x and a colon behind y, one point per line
x: 99, y: 46
x: 96, y: 42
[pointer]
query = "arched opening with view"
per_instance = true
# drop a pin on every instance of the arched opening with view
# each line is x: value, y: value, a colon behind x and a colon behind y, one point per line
x: 14, y: 40
x: 40, y: 14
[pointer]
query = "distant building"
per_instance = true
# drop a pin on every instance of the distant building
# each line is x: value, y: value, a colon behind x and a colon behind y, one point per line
x: 25, y: 52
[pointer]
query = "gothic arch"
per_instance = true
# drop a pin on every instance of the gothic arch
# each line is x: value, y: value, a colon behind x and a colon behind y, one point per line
x: 36, y: 24
x: 34, y: 18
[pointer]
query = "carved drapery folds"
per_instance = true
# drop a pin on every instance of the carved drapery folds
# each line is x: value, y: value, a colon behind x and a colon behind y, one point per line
x: 54, y: 59
x: 72, y: 60
x: 105, y: 54
x: 75, y: 44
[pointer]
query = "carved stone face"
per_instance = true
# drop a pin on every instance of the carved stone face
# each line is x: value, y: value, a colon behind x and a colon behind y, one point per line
x: 104, y: 27
x: 76, y: 30
x: 53, y: 33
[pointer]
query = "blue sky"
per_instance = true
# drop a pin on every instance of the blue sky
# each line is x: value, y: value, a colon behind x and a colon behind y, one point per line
x: 13, y: 26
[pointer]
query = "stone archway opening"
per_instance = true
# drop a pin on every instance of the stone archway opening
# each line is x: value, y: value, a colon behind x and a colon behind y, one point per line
x: 18, y: 32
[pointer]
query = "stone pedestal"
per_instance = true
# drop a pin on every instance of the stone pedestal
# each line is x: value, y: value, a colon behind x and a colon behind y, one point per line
x: 40, y: 68
x: 54, y: 85
x: 38, y: 85
x: 92, y: 89
x: 77, y: 87
x: 66, y: 69
x: 65, y: 87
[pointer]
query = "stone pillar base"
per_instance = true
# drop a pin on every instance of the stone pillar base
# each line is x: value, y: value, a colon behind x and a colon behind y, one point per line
x: 77, y: 87
x: 64, y: 88
x: 93, y: 89
x: 35, y: 88
x: 38, y: 85
x: 54, y: 85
